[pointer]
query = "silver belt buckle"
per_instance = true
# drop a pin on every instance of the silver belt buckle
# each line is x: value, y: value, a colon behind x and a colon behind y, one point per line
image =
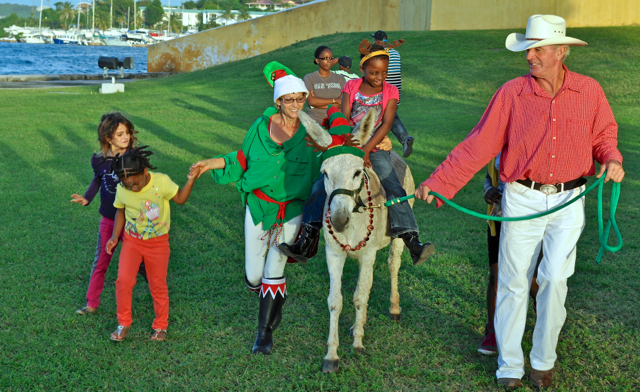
x: 548, y: 189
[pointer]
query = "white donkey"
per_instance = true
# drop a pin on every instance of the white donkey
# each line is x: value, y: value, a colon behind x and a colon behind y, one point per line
x: 356, y: 225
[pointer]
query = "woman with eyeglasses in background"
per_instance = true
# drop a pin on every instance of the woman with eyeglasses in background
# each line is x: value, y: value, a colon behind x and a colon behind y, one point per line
x: 274, y: 171
x: 325, y: 87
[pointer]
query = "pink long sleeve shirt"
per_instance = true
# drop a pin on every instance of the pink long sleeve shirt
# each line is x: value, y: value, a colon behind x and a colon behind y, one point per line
x: 547, y: 139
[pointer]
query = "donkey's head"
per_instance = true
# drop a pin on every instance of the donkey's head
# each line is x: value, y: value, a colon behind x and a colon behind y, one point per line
x: 344, y: 172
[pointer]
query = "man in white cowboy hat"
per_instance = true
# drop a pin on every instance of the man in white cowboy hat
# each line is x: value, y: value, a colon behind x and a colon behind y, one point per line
x: 550, y: 125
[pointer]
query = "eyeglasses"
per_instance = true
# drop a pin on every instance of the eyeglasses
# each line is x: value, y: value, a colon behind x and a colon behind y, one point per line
x: 289, y: 101
x: 325, y: 58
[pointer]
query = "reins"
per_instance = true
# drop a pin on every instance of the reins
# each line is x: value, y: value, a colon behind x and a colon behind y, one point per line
x: 603, y: 233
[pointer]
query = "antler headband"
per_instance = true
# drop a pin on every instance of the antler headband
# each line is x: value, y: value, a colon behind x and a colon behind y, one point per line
x: 365, y: 49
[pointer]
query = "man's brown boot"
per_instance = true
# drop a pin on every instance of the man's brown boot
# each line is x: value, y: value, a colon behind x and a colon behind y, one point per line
x: 541, y: 378
x: 509, y: 383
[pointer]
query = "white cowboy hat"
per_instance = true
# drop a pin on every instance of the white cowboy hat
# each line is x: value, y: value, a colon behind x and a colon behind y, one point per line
x: 542, y: 30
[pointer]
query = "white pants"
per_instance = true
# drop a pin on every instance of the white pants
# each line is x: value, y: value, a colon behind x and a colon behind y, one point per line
x: 256, y: 242
x: 520, y: 244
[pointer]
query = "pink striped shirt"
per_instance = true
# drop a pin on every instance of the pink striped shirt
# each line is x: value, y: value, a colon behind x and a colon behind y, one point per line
x: 548, y: 140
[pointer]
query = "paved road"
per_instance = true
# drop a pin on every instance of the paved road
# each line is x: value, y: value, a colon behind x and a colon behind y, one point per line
x: 55, y: 81
x: 59, y: 83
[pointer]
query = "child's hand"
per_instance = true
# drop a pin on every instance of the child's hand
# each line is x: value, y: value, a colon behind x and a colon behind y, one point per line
x: 367, y: 161
x: 76, y: 198
x: 110, y: 245
x: 194, y: 172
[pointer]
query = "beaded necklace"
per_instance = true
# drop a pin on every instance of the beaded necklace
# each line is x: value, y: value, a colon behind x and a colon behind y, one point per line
x: 370, y: 227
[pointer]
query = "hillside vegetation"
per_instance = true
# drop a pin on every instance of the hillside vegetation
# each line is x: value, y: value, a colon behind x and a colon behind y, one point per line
x: 23, y: 11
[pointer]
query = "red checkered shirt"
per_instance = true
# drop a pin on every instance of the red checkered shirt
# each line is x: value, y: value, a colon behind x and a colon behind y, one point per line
x: 548, y: 140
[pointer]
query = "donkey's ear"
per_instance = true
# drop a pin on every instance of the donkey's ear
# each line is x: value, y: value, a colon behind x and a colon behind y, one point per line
x: 364, y: 130
x: 314, y: 130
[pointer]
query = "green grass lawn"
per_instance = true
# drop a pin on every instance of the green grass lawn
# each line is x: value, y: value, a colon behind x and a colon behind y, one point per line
x: 47, y: 243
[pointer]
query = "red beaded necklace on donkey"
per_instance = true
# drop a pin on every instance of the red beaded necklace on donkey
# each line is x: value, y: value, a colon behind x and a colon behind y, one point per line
x: 370, y: 227
x: 343, y: 142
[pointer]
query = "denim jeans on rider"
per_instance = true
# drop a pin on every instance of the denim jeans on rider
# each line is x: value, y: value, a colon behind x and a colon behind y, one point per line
x: 401, y: 215
x: 314, y: 206
x: 398, y: 129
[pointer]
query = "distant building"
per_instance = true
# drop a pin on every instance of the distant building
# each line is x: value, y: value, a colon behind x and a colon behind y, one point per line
x: 262, y: 4
x: 190, y: 18
x: 84, y: 7
x: 278, y: 5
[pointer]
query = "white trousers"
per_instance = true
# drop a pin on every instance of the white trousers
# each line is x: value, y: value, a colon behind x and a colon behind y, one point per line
x: 520, y: 244
x: 256, y: 243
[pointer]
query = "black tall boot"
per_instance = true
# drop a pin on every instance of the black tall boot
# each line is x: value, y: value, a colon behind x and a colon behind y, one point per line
x: 273, y: 295
x: 307, y: 245
x: 418, y: 251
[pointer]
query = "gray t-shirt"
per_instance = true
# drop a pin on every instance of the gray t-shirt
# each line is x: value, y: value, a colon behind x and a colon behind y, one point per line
x: 328, y: 88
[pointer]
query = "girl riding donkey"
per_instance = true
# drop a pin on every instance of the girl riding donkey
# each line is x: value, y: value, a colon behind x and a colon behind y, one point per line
x: 274, y: 171
x: 371, y: 92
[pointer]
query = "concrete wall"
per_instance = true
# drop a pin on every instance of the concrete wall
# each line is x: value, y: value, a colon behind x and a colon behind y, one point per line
x: 253, y: 37
x: 506, y: 14
x: 321, y: 17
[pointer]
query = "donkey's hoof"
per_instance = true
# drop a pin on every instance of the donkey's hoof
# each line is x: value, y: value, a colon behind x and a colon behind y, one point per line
x: 358, y: 350
x: 394, y: 317
x: 331, y: 366
x: 351, y: 332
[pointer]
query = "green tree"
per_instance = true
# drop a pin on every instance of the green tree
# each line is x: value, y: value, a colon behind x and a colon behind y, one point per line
x: 66, y: 11
x: 102, y: 19
x: 120, y: 8
x: 244, y: 14
x: 153, y: 14
x: 176, y: 23
x: 190, y: 5
x: 227, y: 15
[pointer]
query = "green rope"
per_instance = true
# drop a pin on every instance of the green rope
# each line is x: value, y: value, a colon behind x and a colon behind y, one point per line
x: 603, y: 233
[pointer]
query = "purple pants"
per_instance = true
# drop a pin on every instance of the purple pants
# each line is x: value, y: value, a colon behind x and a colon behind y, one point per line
x: 101, y: 263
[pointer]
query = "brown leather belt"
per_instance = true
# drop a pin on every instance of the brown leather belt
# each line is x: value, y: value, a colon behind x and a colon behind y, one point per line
x: 550, y: 189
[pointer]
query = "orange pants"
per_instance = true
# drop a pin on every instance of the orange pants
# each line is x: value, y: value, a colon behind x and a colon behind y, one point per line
x: 155, y: 253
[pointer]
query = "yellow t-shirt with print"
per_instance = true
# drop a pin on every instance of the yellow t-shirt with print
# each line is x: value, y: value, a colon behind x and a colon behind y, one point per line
x: 147, y: 212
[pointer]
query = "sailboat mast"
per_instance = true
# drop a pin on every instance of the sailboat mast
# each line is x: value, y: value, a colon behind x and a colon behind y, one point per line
x: 40, y: 20
x: 93, y: 24
x: 111, y: 16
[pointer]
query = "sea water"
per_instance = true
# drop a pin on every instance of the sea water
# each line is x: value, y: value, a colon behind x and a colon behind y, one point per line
x: 48, y: 59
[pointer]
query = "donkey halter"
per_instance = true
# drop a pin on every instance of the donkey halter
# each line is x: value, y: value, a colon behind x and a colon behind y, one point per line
x: 352, y: 193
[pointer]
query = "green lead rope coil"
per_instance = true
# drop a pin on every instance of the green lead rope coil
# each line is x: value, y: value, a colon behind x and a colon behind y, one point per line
x: 603, y: 233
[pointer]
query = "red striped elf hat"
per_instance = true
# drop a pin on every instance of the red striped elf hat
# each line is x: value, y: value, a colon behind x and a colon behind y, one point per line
x: 283, y: 80
x: 342, y: 141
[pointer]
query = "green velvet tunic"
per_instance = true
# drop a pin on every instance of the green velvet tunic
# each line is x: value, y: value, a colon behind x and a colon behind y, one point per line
x: 283, y: 172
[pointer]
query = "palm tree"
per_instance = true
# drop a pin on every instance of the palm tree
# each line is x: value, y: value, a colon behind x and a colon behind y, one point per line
x: 176, y: 25
x: 121, y: 20
x: 227, y: 15
x: 102, y: 19
x: 66, y: 12
x: 244, y: 14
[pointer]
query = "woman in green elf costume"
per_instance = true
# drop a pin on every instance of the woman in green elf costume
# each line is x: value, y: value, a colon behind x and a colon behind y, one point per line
x: 274, y: 171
